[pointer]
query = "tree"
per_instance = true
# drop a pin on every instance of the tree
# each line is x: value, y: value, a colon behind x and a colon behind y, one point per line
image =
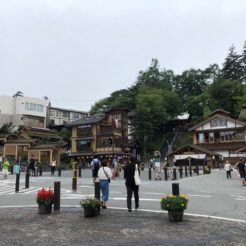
x: 154, y: 77
x: 193, y: 82
x: 18, y: 94
x: 224, y: 94
x: 242, y: 61
x: 7, y: 128
x: 232, y: 68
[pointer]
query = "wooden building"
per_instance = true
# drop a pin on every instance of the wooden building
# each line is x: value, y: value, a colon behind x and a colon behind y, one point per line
x: 44, y: 144
x: 221, y: 134
x: 103, y: 135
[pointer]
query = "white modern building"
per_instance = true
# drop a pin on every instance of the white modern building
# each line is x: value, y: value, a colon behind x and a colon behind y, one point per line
x: 61, y: 116
x: 25, y: 111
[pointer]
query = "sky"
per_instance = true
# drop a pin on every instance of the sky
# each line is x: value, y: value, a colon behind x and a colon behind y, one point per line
x: 77, y: 52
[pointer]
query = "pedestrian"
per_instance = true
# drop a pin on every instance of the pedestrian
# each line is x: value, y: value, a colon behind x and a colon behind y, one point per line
x: 242, y: 171
x: 32, y: 165
x: 5, y: 168
x: 116, y: 169
x: 228, y: 169
x: 95, y: 165
x: 104, y: 175
x: 53, y: 167
x: 131, y: 187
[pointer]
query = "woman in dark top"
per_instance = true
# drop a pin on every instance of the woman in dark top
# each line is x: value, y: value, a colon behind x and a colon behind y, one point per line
x: 131, y: 187
x: 241, y: 169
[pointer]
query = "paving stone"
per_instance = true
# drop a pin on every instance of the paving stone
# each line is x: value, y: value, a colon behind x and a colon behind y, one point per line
x: 24, y: 226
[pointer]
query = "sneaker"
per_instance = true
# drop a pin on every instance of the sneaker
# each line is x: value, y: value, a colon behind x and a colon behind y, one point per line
x: 130, y: 210
x: 104, y: 207
x: 136, y: 207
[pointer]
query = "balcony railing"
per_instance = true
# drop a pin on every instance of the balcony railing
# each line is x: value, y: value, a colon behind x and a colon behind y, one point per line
x: 85, y: 135
x: 84, y: 149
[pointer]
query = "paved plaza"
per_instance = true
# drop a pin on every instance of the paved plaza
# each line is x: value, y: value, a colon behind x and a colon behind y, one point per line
x: 22, y: 227
x: 215, y: 214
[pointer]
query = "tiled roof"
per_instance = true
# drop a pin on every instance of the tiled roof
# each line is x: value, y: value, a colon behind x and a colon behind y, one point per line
x: 88, y: 120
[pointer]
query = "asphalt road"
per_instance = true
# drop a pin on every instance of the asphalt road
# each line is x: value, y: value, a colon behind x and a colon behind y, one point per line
x: 209, y: 195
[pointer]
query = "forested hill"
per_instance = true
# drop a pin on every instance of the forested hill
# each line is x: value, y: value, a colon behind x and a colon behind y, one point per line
x: 159, y: 95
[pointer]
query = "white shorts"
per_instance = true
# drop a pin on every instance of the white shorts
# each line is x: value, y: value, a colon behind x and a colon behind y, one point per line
x: 5, y: 172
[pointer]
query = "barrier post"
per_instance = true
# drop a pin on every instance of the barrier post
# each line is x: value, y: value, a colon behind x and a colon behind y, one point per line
x: 74, y: 179
x: 57, y: 196
x: 175, y: 189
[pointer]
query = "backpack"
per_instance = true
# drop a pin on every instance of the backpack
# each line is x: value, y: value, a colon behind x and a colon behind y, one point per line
x: 95, y: 164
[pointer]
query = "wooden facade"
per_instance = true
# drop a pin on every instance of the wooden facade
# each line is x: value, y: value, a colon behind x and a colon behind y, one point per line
x: 44, y: 144
x: 103, y: 135
x: 222, y: 134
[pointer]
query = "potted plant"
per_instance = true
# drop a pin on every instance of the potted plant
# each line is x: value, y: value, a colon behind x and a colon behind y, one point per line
x: 206, y: 170
x: 91, y: 207
x: 45, y: 199
x: 175, y: 206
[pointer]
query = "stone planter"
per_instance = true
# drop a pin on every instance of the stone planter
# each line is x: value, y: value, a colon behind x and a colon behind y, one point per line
x: 175, y: 216
x: 91, y: 212
x: 44, y: 209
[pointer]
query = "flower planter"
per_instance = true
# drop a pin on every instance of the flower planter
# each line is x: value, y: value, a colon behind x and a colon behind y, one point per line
x: 91, y: 212
x: 175, y: 216
x: 44, y: 209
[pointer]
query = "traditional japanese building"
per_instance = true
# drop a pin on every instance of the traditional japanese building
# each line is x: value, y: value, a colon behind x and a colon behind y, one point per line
x: 220, y: 134
x: 103, y: 135
x: 44, y: 144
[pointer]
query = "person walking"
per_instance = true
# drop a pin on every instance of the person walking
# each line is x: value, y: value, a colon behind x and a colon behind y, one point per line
x: 242, y: 171
x: 131, y: 187
x: 5, y: 168
x: 32, y: 165
x: 95, y: 165
x: 104, y: 175
x: 228, y: 169
x: 53, y: 167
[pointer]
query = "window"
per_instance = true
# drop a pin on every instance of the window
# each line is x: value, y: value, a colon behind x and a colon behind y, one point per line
x: 231, y: 136
x: 200, y: 138
x: 65, y: 114
x: 75, y: 115
x: 52, y: 112
x: 211, y: 137
x: 34, y: 107
x: 218, y: 122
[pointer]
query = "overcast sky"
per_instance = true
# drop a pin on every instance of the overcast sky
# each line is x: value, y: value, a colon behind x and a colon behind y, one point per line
x: 79, y: 51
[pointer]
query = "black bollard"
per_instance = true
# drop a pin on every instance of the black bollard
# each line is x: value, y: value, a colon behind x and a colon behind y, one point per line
x: 175, y: 189
x: 57, y: 196
x: 74, y: 181
x: 40, y: 171
x: 174, y: 174
x: 149, y: 173
x: 197, y: 170
x: 165, y: 174
x: 186, y: 171
x: 17, y: 183
x: 79, y: 171
x: 59, y: 171
x: 27, y: 180
x: 190, y: 169
x: 181, y: 172
x: 97, y: 190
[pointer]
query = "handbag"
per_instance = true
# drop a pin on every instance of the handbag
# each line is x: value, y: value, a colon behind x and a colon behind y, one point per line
x: 136, y: 176
x: 106, y: 175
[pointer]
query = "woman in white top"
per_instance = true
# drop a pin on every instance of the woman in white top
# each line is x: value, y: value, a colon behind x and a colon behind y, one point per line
x: 228, y: 169
x: 104, y: 175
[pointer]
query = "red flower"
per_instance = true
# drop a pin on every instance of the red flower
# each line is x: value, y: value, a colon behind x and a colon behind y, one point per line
x: 45, y: 196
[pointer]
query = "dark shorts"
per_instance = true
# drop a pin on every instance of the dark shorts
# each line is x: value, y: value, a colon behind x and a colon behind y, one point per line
x: 242, y: 174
